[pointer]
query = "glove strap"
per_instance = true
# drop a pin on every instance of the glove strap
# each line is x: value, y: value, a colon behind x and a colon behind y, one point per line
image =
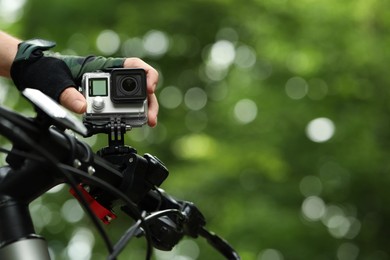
x: 33, y: 49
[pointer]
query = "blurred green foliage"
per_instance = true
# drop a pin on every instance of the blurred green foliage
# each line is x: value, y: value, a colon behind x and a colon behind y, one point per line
x: 240, y: 83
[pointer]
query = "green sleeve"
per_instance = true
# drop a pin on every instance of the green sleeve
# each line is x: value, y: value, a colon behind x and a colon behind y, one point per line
x: 79, y: 65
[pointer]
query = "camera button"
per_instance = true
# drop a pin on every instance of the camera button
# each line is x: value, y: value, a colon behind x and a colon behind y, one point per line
x: 98, y: 104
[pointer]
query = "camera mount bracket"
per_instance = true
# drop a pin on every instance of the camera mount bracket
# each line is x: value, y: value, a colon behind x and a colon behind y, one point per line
x: 115, y: 129
x: 116, y: 135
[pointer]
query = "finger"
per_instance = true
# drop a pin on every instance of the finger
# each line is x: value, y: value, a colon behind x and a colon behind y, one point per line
x: 73, y: 100
x: 152, y: 110
x: 151, y: 80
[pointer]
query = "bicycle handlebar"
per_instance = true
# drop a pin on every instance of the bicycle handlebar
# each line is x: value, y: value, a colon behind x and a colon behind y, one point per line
x: 44, y: 156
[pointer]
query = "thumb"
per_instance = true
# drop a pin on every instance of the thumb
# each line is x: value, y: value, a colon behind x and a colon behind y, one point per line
x: 73, y: 100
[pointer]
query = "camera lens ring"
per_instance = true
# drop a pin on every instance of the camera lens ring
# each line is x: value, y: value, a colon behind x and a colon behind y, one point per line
x: 128, y: 85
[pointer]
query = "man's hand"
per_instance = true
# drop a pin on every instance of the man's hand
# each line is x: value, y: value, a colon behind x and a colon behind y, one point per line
x: 75, y: 101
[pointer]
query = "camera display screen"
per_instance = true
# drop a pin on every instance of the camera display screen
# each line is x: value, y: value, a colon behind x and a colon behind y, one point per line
x: 98, y: 87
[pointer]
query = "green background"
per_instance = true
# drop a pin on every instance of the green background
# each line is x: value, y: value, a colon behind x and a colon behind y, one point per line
x: 241, y: 86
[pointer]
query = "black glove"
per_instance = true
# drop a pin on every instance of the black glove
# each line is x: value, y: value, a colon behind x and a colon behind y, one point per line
x: 31, y: 69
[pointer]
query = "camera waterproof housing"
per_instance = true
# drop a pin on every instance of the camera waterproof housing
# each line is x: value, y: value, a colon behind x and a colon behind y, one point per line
x: 115, y: 95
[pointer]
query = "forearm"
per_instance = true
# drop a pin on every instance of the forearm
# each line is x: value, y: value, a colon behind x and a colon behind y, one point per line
x: 8, y: 49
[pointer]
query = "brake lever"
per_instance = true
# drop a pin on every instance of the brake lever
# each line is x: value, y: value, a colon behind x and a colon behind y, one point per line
x: 219, y: 244
x: 169, y: 229
x: 195, y: 226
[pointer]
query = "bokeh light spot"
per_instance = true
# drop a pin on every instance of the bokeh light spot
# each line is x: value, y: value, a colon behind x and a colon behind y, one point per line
x: 301, y: 62
x: 245, y: 111
x: 57, y: 188
x: 11, y: 10
x: 140, y: 134
x: 194, y: 146
x: 156, y: 43
x: 347, y: 251
x: 227, y: 33
x: 354, y: 228
x: 215, y: 73
x: 108, y: 42
x: 170, y: 97
x: 71, y: 211
x: 185, y: 250
x: 133, y: 47
x: 320, y: 129
x: 222, y: 54
x: 270, y: 254
x: 80, y: 246
x: 245, y: 57
x: 331, y: 211
x: 313, y: 208
x: 189, y: 249
x: 338, y: 226
x: 195, y: 98
x: 296, y: 88
x: 42, y: 215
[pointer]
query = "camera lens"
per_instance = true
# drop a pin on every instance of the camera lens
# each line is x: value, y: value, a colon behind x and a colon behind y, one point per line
x: 129, y: 84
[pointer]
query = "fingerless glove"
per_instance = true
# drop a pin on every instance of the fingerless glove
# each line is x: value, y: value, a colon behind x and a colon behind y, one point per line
x: 31, y: 69
x: 52, y: 73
